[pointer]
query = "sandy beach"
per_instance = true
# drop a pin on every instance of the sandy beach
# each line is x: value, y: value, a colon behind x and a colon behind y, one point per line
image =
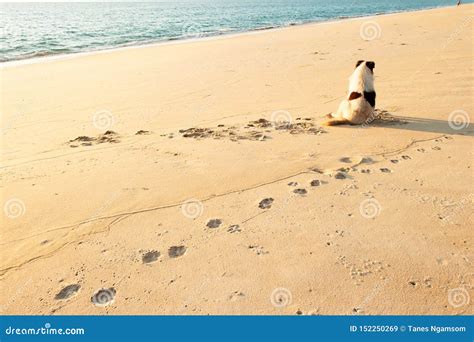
x: 195, y: 177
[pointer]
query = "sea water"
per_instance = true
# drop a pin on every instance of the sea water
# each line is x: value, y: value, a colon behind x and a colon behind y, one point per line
x: 30, y: 30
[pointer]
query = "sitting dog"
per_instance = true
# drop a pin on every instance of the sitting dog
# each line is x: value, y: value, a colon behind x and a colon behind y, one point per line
x: 358, y: 107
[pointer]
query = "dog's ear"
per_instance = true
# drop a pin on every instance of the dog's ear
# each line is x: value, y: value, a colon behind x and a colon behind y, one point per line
x: 370, y: 65
x: 359, y: 63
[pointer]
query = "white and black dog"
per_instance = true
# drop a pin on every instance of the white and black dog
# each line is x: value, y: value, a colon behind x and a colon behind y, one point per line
x: 358, y: 107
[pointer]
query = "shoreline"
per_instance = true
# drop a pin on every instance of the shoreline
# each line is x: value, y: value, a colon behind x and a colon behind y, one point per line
x: 174, y: 41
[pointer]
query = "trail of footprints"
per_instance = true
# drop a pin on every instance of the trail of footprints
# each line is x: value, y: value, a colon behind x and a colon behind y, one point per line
x: 106, y: 296
x: 110, y: 137
x: 258, y: 130
x: 359, y: 271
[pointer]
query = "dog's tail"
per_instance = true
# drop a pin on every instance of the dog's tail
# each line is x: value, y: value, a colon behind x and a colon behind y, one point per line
x: 335, y: 122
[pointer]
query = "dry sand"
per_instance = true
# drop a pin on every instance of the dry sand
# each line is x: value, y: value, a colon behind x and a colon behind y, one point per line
x: 386, y: 228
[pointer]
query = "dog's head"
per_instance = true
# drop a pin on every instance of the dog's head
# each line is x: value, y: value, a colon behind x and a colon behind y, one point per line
x: 369, y: 64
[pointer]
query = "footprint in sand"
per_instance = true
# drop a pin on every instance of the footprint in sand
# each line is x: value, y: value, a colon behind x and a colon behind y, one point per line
x: 442, y: 262
x: 405, y: 157
x: 436, y: 148
x: 82, y: 140
x: 150, y: 257
x: 214, y: 223
x: 68, y: 292
x: 300, y: 191
x: 266, y: 203
x: 236, y: 295
x: 365, y: 171
x: 142, y: 132
x: 366, y: 160
x: 340, y: 175
x: 259, y: 250
x: 176, y: 251
x: 235, y: 228
x: 345, y: 160
x: 315, y: 182
x: 107, y: 137
x: 314, y: 312
x: 422, y: 150
x: 292, y: 184
x: 385, y: 170
x: 427, y: 282
x: 104, y: 297
x: 394, y: 161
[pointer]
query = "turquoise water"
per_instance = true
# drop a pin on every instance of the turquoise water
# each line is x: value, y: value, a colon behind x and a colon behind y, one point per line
x: 30, y: 30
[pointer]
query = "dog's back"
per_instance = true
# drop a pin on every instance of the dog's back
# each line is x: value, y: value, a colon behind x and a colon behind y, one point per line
x: 358, y: 107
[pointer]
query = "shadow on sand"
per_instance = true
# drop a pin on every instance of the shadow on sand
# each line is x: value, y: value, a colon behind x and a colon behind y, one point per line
x: 385, y: 119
